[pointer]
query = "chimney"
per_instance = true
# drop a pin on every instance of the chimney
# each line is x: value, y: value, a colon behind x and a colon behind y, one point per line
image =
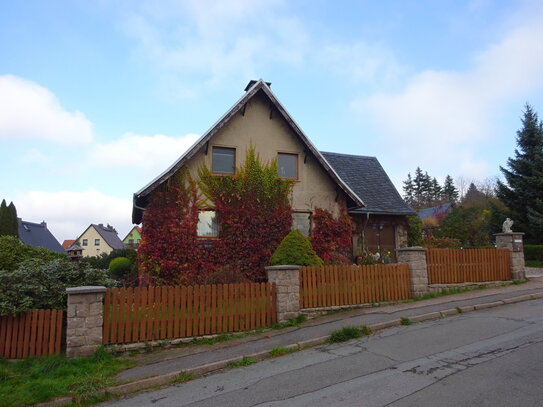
x: 252, y: 82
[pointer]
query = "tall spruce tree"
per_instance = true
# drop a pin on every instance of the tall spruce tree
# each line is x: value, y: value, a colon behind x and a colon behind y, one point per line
x: 524, y: 178
x: 449, y: 193
x: 408, y: 190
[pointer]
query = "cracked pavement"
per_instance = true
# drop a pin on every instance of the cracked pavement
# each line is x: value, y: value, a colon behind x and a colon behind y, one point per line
x: 491, y: 357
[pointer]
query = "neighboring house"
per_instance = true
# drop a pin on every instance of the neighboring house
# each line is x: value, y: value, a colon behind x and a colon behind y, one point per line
x: 37, y: 234
x: 98, y: 239
x: 67, y: 243
x: 431, y: 217
x: 322, y: 180
x: 133, y: 238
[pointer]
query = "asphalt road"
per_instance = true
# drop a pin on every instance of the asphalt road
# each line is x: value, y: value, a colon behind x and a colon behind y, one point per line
x: 485, y: 358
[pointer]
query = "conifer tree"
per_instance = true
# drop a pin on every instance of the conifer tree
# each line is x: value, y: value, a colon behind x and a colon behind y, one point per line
x: 4, y: 218
x: 13, y: 223
x: 450, y: 193
x: 524, y: 178
x: 408, y: 190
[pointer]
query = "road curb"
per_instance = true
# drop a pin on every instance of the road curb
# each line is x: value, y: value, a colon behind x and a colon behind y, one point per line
x: 163, y: 379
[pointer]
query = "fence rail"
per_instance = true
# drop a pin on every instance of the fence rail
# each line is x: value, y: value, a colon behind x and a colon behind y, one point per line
x: 324, y: 286
x: 34, y: 333
x: 150, y: 313
x: 448, y: 266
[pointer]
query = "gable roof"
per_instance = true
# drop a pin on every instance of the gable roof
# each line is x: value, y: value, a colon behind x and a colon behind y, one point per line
x: 254, y: 87
x: 67, y: 243
x: 37, y: 235
x: 108, y: 233
x: 368, y: 179
x: 136, y: 228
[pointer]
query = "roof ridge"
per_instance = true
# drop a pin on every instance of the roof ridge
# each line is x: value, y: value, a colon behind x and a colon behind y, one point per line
x: 349, y: 155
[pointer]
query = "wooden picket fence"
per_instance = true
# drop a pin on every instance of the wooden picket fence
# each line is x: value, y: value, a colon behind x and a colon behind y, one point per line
x: 34, y: 333
x: 150, y: 313
x: 448, y: 266
x: 325, y: 286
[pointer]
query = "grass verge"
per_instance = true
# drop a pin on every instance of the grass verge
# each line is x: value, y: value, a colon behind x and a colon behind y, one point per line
x: 349, y: 332
x: 534, y: 263
x: 245, y: 361
x: 280, y: 351
x: 406, y: 321
x: 34, y: 380
x: 291, y: 322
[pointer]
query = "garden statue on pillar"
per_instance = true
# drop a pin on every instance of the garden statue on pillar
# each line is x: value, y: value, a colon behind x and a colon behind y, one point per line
x: 507, y: 225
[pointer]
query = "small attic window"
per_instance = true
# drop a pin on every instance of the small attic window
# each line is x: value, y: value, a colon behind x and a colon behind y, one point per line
x: 287, y: 165
x: 223, y: 160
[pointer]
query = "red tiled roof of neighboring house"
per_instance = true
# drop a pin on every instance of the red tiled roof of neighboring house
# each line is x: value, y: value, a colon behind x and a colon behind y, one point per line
x: 67, y: 243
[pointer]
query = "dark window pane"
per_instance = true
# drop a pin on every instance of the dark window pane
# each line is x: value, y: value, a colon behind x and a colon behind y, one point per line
x: 208, y: 224
x: 223, y: 160
x: 287, y: 165
x: 302, y: 222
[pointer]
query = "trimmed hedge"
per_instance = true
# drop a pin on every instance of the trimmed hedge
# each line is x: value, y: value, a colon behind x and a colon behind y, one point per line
x: 295, y: 249
x: 533, y: 252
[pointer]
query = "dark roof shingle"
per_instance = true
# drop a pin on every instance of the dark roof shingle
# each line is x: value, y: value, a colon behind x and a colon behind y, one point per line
x: 365, y: 176
x: 109, y: 234
x: 37, y: 235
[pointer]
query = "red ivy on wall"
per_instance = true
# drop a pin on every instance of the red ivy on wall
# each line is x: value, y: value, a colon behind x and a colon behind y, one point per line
x: 254, y: 215
x: 332, y: 238
x: 169, y: 251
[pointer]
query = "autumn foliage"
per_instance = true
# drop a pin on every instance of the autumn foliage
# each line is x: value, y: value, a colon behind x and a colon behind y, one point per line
x: 169, y: 251
x: 254, y: 212
x: 331, y: 237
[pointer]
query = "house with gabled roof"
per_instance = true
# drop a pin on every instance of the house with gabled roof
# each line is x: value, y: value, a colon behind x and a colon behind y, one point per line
x: 98, y: 239
x: 38, y: 235
x: 322, y: 180
x: 133, y: 238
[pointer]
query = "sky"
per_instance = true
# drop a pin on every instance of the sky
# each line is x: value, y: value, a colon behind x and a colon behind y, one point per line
x: 98, y: 98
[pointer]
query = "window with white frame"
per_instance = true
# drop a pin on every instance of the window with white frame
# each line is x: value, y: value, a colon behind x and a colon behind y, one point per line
x: 208, y: 224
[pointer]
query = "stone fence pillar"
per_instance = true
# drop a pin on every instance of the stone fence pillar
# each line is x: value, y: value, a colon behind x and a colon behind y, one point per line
x: 287, y: 282
x: 84, y: 320
x: 513, y: 242
x: 415, y: 258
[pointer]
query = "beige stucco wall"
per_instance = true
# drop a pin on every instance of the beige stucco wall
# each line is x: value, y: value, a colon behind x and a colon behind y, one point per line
x: 269, y: 137
x: 91, y: 249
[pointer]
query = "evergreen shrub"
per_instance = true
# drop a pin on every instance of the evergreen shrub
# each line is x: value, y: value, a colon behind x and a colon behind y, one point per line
x: 295, y: 249
x: 119, y: 267
x: 533, y: 252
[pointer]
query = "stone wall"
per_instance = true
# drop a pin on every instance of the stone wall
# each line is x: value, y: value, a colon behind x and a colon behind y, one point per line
x: 84, y: 320
x: 287, y: 282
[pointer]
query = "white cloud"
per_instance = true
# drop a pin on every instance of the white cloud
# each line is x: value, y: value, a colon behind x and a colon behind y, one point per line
x: 69, y: 213
x: 134, y: 151
x: 441, y: 117
x: 32, y: 111
x: 215, y: 42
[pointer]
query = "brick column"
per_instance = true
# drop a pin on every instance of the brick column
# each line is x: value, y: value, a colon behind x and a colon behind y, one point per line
x: 287, y: 281
x: 84, y: 320
x: 415, y: 258
x: 513, y: 242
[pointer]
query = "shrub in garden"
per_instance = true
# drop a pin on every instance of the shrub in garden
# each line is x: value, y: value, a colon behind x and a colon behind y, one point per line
x: 13, y: 252
x: 42, y: 284
x: 441, y: 243
x: 122, y: 269
x: 295, y: 249
x: 533, y: 252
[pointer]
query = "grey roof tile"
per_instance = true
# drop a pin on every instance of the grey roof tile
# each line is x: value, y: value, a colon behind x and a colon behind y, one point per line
x: 109, y: 234
x: 365, y: 176
x: 37, y: 235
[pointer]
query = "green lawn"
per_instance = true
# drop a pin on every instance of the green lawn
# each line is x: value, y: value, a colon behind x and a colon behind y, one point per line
x: 34, y: 380
x: 534, y: 263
